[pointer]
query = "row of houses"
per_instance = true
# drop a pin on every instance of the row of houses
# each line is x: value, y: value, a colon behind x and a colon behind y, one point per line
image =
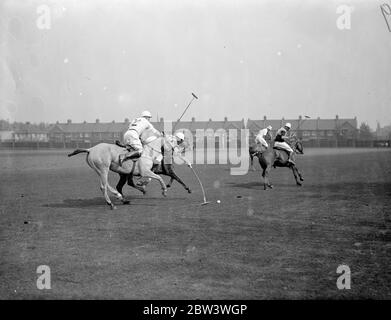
x: 314, y: 132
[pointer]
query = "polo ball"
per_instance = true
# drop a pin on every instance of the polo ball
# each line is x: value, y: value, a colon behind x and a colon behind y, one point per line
x: 218, y: 201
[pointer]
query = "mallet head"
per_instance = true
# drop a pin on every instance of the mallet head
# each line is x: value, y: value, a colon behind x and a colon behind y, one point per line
x: 194, y: 95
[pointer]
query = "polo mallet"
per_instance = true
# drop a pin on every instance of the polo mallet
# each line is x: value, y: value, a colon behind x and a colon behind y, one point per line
x: 194, y: 97
x: 202, y: 188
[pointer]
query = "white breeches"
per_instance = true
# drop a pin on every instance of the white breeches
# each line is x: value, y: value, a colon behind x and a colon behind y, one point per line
x: 132, y: 139
x: 261, y: 141
x: 283, y: 145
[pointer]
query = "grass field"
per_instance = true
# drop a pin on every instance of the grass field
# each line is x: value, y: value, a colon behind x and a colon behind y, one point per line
x: 281, y: 243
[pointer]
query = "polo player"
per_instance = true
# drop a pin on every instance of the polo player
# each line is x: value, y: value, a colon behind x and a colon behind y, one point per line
x: 281, y: 140
x: 261, y: 136
x: 176, y: 145
x: 132, y: 136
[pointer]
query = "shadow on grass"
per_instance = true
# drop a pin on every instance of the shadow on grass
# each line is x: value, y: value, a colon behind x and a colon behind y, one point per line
x: 100, y: 202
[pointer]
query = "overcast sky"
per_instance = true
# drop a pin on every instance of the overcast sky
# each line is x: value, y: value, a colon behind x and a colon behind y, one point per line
x: 244, y: 59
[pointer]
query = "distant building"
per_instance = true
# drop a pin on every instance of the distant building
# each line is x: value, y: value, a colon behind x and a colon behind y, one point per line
x: 31, y: 134
x: 6, y: 135
x: 337, y: 132
x: 87, y: 132
x: 219, y: 131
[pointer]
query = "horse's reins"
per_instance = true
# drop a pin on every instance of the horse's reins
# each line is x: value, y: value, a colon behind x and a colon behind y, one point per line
x: 146, y: 143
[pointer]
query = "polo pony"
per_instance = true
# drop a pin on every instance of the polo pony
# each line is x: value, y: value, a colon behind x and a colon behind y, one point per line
x: 276, y: 157
x: 105, y: 157
x: 165, y: 167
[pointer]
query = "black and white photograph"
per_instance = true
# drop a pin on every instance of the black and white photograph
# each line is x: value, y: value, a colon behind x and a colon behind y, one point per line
x: 195, y: 150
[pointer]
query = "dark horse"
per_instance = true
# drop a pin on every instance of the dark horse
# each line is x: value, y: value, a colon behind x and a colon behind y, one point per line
x: 161, y: 168
x: 275, y: 157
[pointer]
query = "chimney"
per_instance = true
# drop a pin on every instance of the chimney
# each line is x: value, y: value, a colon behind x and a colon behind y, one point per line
x: 69, y: 121
x: 126, y: 120
x: 57, y: 122
x: 97, y: 121
x: 336, y: 117
x: 113, y: 121
x: 161, y: 119
x: 300, y: 117
x: 84, y: 122
x: 225, y: 119
x: 192, y: 119
x: 264, y: 118
x: 210, y: 119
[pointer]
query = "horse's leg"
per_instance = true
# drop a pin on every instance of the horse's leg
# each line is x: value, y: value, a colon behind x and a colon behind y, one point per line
x: 264, y: 178
x: 117, y: 194
x: 170, y: 172
x: 170, y: 183
x: 104, y: 185
x: 148, y: 173
x: 121, y: 183
x: 99, y: 167
x: 132, y: 184
x: 266, y: 164
x: 294, y: 170
x: 300, y: 176
x: 266, y: 182
x: 252, y: 161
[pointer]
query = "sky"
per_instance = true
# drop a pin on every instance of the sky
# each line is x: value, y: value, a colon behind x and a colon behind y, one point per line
x: 112, y: 59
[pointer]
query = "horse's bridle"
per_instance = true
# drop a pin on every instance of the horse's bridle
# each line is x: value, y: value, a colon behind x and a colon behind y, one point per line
x: 147, y: 145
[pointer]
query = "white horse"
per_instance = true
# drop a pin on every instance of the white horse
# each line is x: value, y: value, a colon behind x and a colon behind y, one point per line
x: 105, y: 156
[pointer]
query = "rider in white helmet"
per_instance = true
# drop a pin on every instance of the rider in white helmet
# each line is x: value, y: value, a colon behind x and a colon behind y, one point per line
x: 281, y: 136
x: 175, y: 147
x: 260, y: 138
x: 132, y: 136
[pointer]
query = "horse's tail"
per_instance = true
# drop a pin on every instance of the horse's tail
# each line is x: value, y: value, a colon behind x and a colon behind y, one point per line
x: 77, y: 151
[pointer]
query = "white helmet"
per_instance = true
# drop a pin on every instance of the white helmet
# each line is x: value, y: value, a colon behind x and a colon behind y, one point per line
x: 288, y: 125
x: 180, y: 136
x: 269, y: 127
x: 146, y: 114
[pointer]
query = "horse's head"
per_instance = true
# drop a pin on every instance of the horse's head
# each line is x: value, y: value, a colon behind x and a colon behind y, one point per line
x: 299, y: 147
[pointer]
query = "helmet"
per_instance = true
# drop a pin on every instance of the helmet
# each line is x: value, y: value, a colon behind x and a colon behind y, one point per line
x: 180, y: 136
x: 146, y: 114
x: 288, y: 125
x: 269, y: 127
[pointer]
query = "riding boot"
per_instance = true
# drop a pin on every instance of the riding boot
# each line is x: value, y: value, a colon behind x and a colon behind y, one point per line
x: 129, y: 155
x: 290, y: 158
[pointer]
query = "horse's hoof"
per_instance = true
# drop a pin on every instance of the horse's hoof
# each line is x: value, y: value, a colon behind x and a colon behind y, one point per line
x: 113, y: 207
x: 298, y: 184
x: 188, y: 190
x: 125, y: 201
x: 270, y: 186
x: 164, y: 193
x: 301, y: 179
x: 168, y: 186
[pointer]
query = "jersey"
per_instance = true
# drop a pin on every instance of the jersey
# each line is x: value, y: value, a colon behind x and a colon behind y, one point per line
x: 172, y: 145
x: 280, y: 134
x: 140, y: 124
x: 262, y: 133
x: 172, y: 142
